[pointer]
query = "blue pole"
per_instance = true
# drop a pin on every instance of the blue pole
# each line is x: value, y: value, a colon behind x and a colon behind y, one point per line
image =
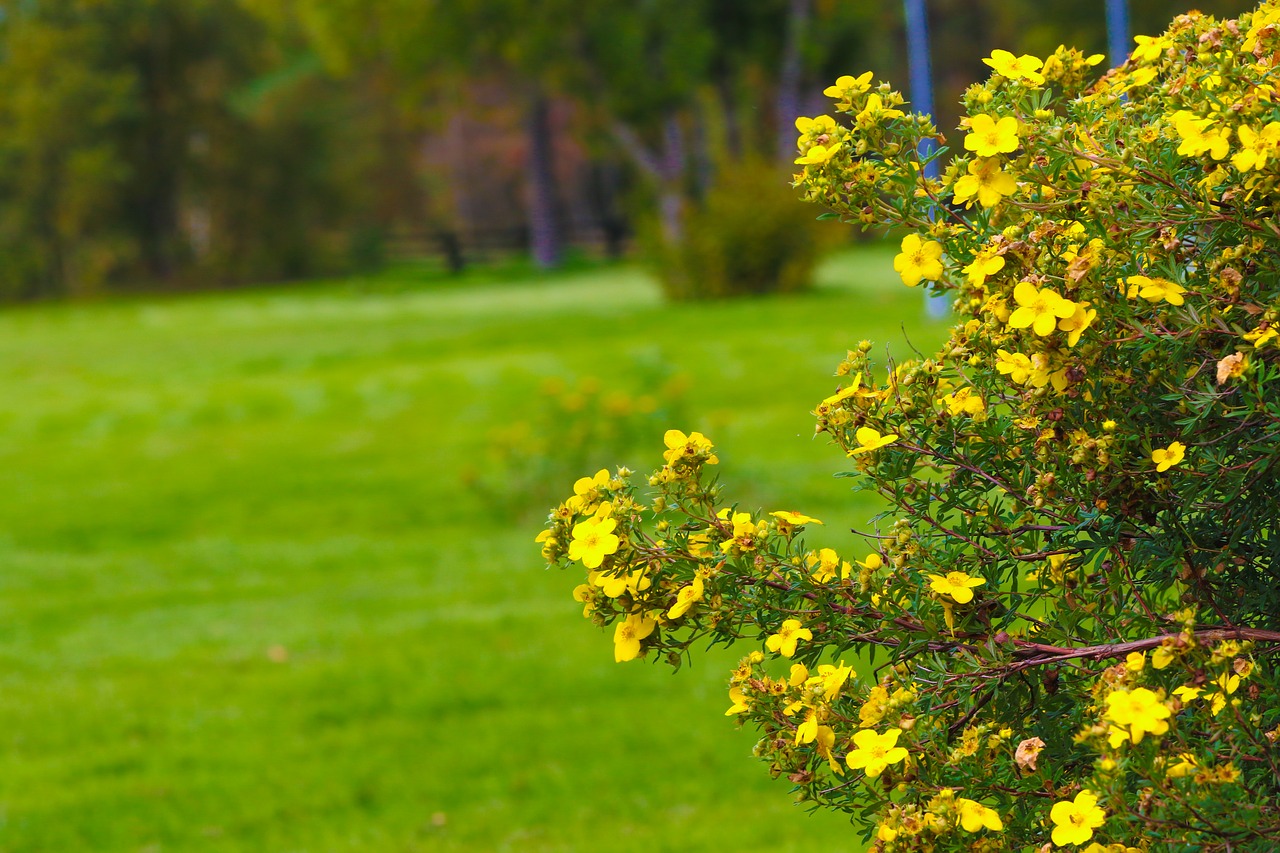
x: 921, y: 80
x: 919, y: 72
x: 1118, y: 41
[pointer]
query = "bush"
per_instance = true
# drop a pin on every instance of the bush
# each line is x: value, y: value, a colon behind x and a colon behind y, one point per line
x: 1068, y: 617
x: 749, y: 236
x: 571, y: 427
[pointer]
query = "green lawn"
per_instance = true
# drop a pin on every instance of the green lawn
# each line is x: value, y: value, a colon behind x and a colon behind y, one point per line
x: 246, y: 604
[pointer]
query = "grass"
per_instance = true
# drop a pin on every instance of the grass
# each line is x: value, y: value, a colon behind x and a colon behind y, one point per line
x: 246, y: 605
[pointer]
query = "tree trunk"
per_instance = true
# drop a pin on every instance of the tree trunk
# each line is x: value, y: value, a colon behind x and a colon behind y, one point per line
x: 544, y: 225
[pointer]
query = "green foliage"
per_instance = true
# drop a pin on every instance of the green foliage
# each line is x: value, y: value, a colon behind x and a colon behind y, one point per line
x: 1071, y: 602
x: 748, y: 237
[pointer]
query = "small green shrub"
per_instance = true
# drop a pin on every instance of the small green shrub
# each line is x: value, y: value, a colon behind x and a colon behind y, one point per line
x: 573, y: 426
x: 749, y: 236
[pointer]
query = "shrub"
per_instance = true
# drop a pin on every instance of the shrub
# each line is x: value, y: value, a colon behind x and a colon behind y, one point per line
x: 572, y: 426
x: 749, y: 236
x: 1067, y: 619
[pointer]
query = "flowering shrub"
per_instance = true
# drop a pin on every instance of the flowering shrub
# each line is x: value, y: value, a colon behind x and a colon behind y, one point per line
x: 1064, y: 627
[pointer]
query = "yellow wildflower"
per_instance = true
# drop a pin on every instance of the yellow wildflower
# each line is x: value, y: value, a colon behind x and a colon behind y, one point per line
x: 1155, y: 289
x: 1261, y: 337
x: 1015, y: 365
x: 686, y: 598
x: 847, y: 88
x: 963, y: 402
x: 958, y: 586
x: 1136, y: 713
x: 1256, y: 146
x: 974, y: 816
x: 1023, y: 67
x: 1039, y: 308
x: 874, y: 111
x: 818, y: 154
x: 1199, y: 136
x: 988, y: 137
x: 1166, y: 457
x: 1075, y: 820
x: 784, y: 642
x: 986, y: 182
x: 628, y: 634
x: 985, y: 263
x: 870, y: 439
x: 919, y: 259
x: 593, y: 540
x: 1075, y: 325
x: 741, y: 702
x: 875, y: 752
x: 680, y: 446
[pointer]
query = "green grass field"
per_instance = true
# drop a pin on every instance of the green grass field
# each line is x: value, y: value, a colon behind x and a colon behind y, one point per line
x: 246, y: 604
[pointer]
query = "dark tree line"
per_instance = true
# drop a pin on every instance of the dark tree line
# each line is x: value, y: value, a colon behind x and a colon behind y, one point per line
x: 177, y: 143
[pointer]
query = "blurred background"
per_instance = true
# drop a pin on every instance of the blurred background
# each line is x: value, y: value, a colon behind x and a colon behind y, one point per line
x: 313, y: 307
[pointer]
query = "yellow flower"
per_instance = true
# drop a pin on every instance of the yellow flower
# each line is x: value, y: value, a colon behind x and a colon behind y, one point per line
x: 1015, y: 365
x: 1165, y: 458
x: 974, y: 816
x: 875, y: 752
x: 824, y: 564
x: 1226, y: 684
x: 1186, y: 765
x: 615, y: 585
x: 957, y: 585
x: 740, y: 702
x: 963, y: 402
x: 807, y: 731
x: 1261, y: 337
x: 795, y: 519
x: 798, y: 675
x: 832, y: 679
x: 818, y: 154
x: 586, y: 491
x: 1187, y: 693
x: 920, y: 259
x: 1075, y: 325
x: 1139, y: 711
x: 1075, y: 820
x: 1149, y: 48
x: 1135, y: 662
x: 681, y: 446
x: 686, y: 598
x: 1199, y: 137
x: 812, y: 128
x: 593, y: 540
x: 870, y: 439
x: 847, y: 88
x: 1162, y: 657
x: 784, y: 642
x: 744, y: 536
x: 986, y: 182
x: 1155, y: 289
x: 628, y: 634
x: 1256, y: 147
x: 874, y: 111
x: 1023, y: 67
x: 984, y: 263
x: 1039, y: 308
x: 988, y: 137
x: 825, y: 743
